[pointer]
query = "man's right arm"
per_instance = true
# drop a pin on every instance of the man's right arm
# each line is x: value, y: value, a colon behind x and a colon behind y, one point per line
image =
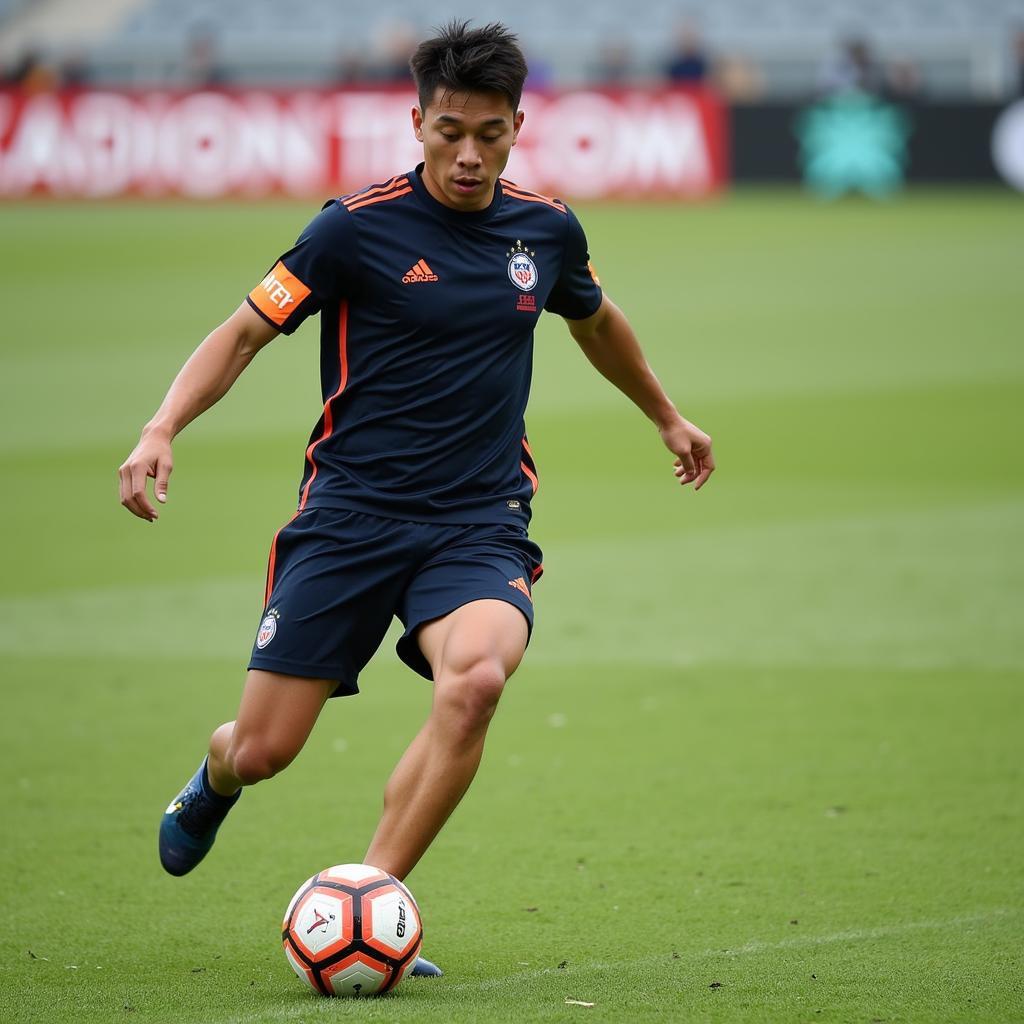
x: 201, y: 382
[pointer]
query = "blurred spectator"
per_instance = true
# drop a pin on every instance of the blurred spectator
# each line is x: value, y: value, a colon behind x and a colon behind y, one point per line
x: 902, y: 81
x: 854, y: 68
x: 351, y: 69
x: 32, y: 73
x: 396, y: 41
x: 739, y: 79
x: 540, y: 75
x: 614, y: 63
x: 202, y: 65
x: 74, y: 71
x: 688, y: 63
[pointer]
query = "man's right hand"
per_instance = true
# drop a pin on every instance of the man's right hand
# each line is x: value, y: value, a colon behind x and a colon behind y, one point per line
x: 151, y: 458
x: 210, y: 371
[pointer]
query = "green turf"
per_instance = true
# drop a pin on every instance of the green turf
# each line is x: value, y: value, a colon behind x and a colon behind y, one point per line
x: 762, y: 762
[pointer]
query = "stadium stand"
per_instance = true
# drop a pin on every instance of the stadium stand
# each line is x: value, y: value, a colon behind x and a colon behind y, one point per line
x: 8, y: 8
x: 961, y: 47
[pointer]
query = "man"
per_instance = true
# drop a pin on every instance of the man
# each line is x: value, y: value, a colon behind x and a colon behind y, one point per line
x: 417, y: 482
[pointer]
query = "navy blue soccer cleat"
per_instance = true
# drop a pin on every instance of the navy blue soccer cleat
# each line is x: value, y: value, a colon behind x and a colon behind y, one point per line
x: 425, y: 969
x: 190, y: 823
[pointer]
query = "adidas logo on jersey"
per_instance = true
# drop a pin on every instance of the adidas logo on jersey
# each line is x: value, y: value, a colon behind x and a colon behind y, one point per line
x: 420, y: 272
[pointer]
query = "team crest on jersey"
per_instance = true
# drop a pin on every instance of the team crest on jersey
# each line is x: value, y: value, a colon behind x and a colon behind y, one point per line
x: 268, y: 628
x: 522, y: 271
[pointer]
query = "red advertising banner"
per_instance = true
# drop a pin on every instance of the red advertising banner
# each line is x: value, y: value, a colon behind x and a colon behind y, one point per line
x: 583, y: 144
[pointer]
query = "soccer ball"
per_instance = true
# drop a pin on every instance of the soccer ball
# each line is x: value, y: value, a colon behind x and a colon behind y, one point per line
x: 352, y: 930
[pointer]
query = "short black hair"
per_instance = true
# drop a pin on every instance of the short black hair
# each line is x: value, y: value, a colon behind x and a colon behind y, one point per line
x: 463, y: 59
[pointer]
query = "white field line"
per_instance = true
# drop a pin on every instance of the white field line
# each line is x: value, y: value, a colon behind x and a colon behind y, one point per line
x: 751, y: 948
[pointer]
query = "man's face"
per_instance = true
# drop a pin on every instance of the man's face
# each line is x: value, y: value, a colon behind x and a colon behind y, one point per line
x: 467, y: 138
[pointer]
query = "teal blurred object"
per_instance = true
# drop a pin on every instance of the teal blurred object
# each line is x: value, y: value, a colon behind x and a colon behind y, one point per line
x: 854, y: 142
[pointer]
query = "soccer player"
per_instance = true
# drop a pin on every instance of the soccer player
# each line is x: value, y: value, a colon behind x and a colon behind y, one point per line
x: 418, y: 478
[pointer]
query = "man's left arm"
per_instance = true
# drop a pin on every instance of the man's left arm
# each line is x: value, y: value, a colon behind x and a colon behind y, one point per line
x: 608, y: 341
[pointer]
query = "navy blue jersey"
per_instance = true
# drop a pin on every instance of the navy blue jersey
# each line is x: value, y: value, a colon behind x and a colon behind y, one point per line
x: 426, y: 318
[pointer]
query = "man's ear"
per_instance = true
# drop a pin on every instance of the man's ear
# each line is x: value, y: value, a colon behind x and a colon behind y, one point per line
x: 417, y: 123
x: 517, y: 123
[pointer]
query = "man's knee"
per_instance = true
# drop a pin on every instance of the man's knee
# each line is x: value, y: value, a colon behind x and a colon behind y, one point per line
x: 468, y: 697
x: 255, y: 759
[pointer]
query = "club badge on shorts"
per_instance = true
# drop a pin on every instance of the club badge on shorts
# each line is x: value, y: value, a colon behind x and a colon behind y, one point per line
x: 522, y: 271
x: 268, y: 628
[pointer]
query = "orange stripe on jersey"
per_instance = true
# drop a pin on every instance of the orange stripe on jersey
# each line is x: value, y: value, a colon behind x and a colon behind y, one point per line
x: 328, y: 415
x: 526, y: 469
x: 508, y: 183
x: 422, y: 265
x: 512, y: 186
x: 387, y: 186
x: 272, y: 560
x: 531, y: 197
x: 381, y: 199
x: 535, y: 199
x: 279, y: 294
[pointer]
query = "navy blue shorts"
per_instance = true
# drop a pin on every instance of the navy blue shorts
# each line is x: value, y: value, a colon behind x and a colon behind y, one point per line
x: 336, y: 578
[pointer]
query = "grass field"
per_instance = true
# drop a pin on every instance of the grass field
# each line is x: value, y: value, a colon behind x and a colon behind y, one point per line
x: 763, y: 761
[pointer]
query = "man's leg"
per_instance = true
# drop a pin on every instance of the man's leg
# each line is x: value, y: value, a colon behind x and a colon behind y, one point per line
x: 274, y: 721
x: 275, y: 718
x: 472, y: 652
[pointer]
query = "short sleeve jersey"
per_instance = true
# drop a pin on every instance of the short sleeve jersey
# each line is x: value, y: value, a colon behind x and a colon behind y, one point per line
x: 427, y: 317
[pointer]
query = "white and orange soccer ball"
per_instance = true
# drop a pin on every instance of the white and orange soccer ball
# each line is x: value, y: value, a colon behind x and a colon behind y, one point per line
x: 352, y: 930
